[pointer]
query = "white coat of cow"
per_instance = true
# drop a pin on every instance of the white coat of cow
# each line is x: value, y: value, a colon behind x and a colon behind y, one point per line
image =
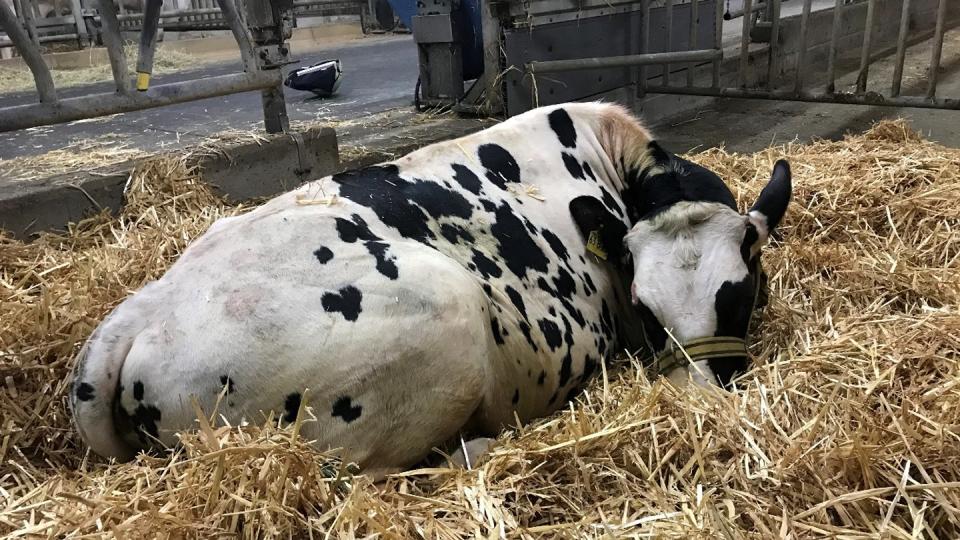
x: 448, y: 291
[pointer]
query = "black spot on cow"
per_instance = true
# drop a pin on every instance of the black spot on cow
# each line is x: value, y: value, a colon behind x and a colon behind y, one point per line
x: 516, y: 396
x: 292, y: 406
x: 145, y: 419
x: 610, y: 202
x: 564, y: 283
x: 606, y: 322
x: 575, y: 313
x: 516, y: 247
x: 525, y: 330
x: 351, y: 231
x: 555, y: 244
x: 530, y: 226
x: 495, y: 328
x: 84, y: 391
x: 588, y: 281
x: 517, y: 299
x: 552, y: 311
x: 453, y: 233
x: 385, y: 263
x: 138, y: 391
x: 225, y: 380
x: 588, y: 170
x: 465, y: 177
x: 500, y: 165
x: 682, y: 180
x: 542, y: 378
x: 405, y: 205
x: 656, y: 335
x: 488, y: 290
x: 589, y: 366
x: 323, y: 255
x: 488, y: 205
x: 551, y: 332
x: 566, y: 365
x: 346, y: 301
x: 486, y: 267
x: 572, y: 394
x: 344, y: 409
x: 562, y: 125
x: 567, y: 332
x: 573, y: 166
x: 601, y: 345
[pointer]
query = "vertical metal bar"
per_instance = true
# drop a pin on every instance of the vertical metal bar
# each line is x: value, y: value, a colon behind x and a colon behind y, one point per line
x: 937, y: 49
x: 832, y: 55
x: 666, y: 67
x: 901, y: 49
x: 745, y: 43
x: 232, y: 16
x: 77, y: 13
x: 26, y: 14
x: 148, y: 42
x: 642, y: 88
x: 694, y: 15
x: 802, y: 51
x: 772, y: 59
x: 717, y: 42
x: 30, y: 53
x: 865, y: 50
x: 490, y: 28
x: 114, y: 43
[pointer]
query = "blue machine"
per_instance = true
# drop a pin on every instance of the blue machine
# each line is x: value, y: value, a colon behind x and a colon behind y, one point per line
x: 468, y: 23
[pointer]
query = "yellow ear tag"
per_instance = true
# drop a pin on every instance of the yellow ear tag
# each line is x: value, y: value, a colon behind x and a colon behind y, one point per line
x: 593, y: 245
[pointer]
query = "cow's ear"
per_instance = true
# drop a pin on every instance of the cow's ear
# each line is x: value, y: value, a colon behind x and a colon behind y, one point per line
x: 772, y: 203
x: 602, y: 230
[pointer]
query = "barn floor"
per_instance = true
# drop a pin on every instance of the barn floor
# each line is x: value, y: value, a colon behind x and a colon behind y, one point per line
x: 849, y: 425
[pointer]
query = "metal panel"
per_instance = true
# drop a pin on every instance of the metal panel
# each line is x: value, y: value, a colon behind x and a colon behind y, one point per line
x: 592, y: 37
x: 432, y: 28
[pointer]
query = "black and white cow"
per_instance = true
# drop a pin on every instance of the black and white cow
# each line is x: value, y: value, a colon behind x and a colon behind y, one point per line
x: 452, y: 290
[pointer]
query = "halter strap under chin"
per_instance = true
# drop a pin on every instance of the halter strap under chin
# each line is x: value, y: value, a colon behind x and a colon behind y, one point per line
x: 710, y: 347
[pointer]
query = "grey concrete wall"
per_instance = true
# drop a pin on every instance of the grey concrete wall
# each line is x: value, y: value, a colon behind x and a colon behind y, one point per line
x: 239, y: 172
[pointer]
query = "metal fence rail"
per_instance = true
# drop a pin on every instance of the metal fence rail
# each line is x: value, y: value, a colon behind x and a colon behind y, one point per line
x: 260, y: 34
x: 752, y: 84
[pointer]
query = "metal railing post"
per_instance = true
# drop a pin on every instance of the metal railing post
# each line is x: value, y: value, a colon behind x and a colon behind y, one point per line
x: 901, y: 49
x: 110, y: 27
x: 832, y: 55
x: 718, y: 43
x: 31, y: 54
x: 26, y: 14
x: 865, y: 50
x: 802, y: 51
x: 937, y: 49
x: 490, y: 27
x: 694, y: 15
x: 772, y: 59
x: 148, y: 43
x: 666, y: 67
x: 645, y: 47
x: 232, y: 16
x: 745, y: 43
x: 268, y: 21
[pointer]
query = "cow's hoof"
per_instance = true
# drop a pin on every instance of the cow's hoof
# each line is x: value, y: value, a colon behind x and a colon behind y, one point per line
x: 475, y: 450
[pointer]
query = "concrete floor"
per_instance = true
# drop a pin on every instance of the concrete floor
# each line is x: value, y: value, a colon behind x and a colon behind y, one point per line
x: 379, y: 73
x: 750, y: 125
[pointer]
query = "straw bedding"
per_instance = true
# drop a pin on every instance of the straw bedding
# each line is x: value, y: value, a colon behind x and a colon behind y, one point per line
x: 849, y: 426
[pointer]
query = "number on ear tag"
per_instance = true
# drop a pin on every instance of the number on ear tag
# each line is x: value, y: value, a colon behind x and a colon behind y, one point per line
x: 593, y: 245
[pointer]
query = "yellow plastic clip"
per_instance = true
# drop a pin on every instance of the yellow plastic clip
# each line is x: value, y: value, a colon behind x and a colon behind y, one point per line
x: 143, y: 81
x: 594, y: 246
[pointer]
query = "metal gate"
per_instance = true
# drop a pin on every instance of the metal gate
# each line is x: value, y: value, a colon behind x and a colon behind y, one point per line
x: 261, y: 35
x: 809, y: 48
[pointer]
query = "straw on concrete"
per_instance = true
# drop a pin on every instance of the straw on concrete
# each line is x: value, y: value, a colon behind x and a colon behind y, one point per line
x: 165, y: 60
x: 847, y: 427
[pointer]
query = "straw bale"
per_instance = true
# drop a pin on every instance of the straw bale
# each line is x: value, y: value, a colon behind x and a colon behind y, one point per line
x: 849, y: 425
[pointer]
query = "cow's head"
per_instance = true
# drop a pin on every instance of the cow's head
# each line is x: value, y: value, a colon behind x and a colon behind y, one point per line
x: 696, y: 273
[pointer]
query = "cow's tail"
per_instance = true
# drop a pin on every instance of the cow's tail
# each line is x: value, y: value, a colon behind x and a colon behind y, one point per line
x: 95, y: 392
